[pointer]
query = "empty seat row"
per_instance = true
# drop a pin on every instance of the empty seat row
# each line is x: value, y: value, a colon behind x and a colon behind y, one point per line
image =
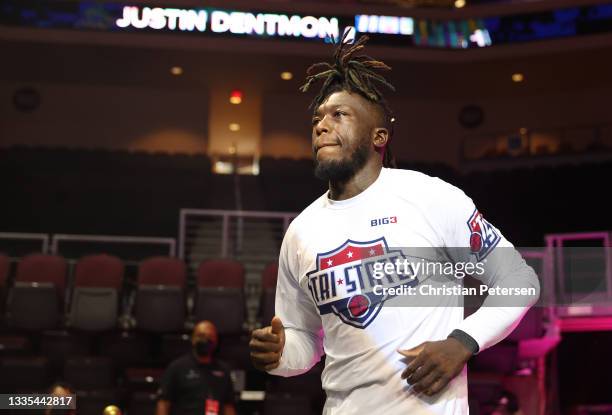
x: 37, y: 299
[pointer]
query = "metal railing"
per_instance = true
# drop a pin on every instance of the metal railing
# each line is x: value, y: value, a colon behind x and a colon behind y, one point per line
x: 42, y: 237
x: 566, y: 263
x: 188, y: 216
x: 113, y: 239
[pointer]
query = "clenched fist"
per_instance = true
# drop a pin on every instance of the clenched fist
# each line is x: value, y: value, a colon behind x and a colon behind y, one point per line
x: 267, y: 345
x: 434, y: 364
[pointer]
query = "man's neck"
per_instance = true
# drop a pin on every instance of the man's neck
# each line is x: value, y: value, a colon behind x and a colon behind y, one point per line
x: 361, y: 180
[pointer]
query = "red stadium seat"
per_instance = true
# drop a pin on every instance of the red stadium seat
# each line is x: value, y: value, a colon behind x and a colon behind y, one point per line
x: 99, y: 271
x: 143, y: 379
x: 24, y: 374
x: 126, y: 349
x: 220, y: 299
x: 95, y: 298
x: 58, y: 345
x: 42, y: 268
x: 12, y: 344
x: 162, y: 271
x: 5, y: 266
x: 160, y: 295
x: 221, y: 273
x: 268, y: 293
x: 173, y: 346
x: 220, y: 296
x: 36, y: 300
x: 89, y: 373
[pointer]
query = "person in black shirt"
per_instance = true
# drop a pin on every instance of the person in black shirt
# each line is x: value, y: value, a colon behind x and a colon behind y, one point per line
x: 195, y: 383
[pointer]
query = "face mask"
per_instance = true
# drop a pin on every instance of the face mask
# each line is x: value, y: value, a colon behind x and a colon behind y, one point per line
x: 203, y: 348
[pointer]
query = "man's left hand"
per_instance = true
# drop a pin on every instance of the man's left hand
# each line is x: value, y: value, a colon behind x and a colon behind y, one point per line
x: 434, y: 364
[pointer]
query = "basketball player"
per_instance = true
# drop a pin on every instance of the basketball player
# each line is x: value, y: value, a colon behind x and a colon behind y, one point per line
x: 380, y: 359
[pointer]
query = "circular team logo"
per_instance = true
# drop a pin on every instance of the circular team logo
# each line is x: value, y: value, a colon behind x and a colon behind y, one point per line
x: 342, y: 281
x: 475, y: 242
x: 358, y: 305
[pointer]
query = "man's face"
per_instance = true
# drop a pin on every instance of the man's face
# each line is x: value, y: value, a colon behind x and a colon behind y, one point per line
x: 342, y: 128
x: 204, y: 331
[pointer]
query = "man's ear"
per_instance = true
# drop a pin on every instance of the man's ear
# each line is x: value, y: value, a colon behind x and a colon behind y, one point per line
x: 380, y: 137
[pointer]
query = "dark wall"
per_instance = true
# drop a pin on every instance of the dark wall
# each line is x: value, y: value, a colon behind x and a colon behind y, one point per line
x: 122, y: 193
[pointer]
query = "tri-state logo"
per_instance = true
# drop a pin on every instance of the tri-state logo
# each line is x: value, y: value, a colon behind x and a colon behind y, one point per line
x: 483, y: 236
x: 344, y: 279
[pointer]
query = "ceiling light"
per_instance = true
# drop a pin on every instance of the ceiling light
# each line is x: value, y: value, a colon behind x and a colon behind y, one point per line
x: 518, y: 77
x: 286, y: 76
x: 234, y: 126
x: 235, y: 97
x: 459, y: 3
x: 176, y: 70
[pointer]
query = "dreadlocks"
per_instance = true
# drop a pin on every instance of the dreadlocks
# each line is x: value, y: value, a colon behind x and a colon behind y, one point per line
x: 353, y: 73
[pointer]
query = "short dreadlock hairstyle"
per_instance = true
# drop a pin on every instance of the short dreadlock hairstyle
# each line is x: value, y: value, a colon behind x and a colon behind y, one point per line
x: 353, y: 72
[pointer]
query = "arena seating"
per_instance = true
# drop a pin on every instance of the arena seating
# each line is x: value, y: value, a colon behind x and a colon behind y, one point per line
x: 19, y: 374
x: 220, y: 297
x: 5, y: 266
x: 106, y: 363
x: 95, y: 297
x: 36, y: 299
x: 160, y: 295
x: 127, y: 349
x: 59, y: 345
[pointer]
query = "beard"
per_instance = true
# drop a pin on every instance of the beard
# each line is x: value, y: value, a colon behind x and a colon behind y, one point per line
x: 342, y: 170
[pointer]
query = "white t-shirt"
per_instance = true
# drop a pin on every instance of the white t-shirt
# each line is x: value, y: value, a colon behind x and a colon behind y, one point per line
x: 322, y: 301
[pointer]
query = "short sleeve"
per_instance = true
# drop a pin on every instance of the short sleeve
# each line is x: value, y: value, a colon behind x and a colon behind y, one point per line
x: 167, y: 387
x: 228, y: 389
